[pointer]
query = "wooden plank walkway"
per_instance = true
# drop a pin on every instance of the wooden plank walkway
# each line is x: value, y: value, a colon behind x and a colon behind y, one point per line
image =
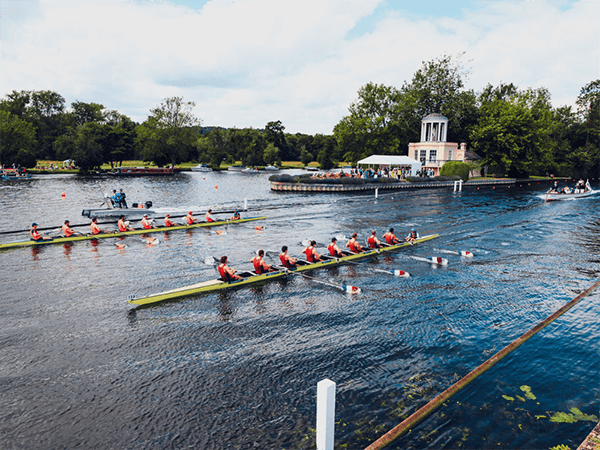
x: 592, y: 442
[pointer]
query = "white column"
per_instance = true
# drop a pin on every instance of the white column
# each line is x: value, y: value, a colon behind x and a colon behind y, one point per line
x: 445, y: 138
x: 325, y: 414
x: 423, y: 132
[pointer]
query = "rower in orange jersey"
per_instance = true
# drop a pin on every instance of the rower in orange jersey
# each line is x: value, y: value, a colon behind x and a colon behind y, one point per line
x: 35, y: 234
x: 68, y: 231
x: 169, y: 222
x: 95, y: 228
x: 353, y: 244
x: 123, y: 225
x: 226, y: 272
x: 390, y: 238
x: 373, y: 241
x: 208, y: 217
x: 146, y: 224
x: 286, y: 260
x: 260, y: 266
x: 190, y: 220
x: 334, y: 250
x: 311, y: 253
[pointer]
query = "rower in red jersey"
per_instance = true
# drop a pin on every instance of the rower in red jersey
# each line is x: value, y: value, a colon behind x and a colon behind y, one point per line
x: 68, y: 231
x: 390, y: 238
x: 260, y: 266
x: 95, y: 228
x: 226, y: 272
x: 35, y: 234
x: 169, y: 222
x: 286, y: 260
x: 353, y: 244
x: 334, y: 250
x: 311, y: 253
x: 190, y: 218
x: 146, y: 224
x: 373, y: 241
x: 123, y: 225
x: 208, y: 217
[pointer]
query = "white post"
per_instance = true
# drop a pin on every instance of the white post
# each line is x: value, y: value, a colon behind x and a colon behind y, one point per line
x: 455, y: 186
x: 325, y: 414
x: 245, y: 204
x: 376, y: 192
x: 460, y: 185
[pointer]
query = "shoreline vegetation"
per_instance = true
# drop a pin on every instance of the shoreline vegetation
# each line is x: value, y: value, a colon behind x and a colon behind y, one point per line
x: 515, y: 132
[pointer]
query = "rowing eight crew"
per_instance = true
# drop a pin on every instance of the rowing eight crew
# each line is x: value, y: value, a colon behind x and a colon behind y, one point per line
x: 260, y: 266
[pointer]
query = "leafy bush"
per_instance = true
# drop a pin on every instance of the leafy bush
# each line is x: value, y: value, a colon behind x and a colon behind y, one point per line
x: 459, y: 168
x: 386, y: 180
x: 441, y: 178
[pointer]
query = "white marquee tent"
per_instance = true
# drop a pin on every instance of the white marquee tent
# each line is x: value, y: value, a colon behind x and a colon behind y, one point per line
x: 392, y: 160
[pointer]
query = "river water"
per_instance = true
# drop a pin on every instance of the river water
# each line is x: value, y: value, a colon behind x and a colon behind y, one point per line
x: 82, y: 368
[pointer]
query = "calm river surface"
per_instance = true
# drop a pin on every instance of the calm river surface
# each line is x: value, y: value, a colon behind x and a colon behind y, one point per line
x: 82, y: 368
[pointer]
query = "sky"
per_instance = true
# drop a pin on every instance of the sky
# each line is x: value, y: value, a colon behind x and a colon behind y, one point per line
x: 246, y: 63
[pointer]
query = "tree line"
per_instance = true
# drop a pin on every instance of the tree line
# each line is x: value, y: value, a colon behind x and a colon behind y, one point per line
x: 515, y: 131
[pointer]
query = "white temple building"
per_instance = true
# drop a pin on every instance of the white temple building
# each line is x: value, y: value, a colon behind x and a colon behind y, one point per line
x: 433, y: 150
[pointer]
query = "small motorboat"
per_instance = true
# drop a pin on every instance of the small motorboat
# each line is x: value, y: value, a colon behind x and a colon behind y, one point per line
x: 236, y: 168
x: 272, y: 168
x: 311, y: 169
x: 14, y: 174
x: 567, y: 193
x: 250, y: 170
x: 201, y: 168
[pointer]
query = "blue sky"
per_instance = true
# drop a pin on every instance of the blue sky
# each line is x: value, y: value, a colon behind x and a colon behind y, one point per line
x: 247, y: 62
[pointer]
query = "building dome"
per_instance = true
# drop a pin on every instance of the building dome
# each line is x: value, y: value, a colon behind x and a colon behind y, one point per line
x: 435, y: 117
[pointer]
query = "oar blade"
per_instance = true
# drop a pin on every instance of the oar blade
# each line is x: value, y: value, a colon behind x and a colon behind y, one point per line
x: 439, y: 260
x: 351, y: 289
x: 466, y: 254
x: 400, y: 273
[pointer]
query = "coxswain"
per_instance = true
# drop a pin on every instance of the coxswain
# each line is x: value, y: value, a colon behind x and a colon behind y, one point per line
x: 311, y: 253
x: 95, y: 228
x: 190, y: 218
x: 287, y: 261
x: 123, y: 225
x: 208, y: 217
x: 390, y: 238
x: 146, y: 224
x: 353, y: 244
x: 236, y: 216
x: 68, y: 231
x: 334, y: 250
x: 226, y: 272
x: 260, y: 266
x: 169, y: 222
x: 373, y: 241
x: 412, y: 236
x: 35, y: 234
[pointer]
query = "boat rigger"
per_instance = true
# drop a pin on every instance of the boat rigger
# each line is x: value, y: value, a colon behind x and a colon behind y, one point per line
x: 116, y: 234
x: 251, y: 277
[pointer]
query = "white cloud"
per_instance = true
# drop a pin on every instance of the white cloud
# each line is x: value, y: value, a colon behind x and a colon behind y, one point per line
x: 249, y: 62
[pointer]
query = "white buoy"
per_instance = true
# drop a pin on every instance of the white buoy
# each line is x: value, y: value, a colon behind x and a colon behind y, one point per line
x: 325, y: 414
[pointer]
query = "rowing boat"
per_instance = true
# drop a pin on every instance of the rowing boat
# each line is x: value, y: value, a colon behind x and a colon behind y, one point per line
x: 117, y: 234
x: 251, y: 277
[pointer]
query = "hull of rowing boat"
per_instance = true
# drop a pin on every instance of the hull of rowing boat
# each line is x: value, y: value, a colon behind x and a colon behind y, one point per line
x: 126, y: 233
x: 217, y: 285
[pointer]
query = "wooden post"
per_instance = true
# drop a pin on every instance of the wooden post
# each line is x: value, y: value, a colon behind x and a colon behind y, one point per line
x: 325, y: 414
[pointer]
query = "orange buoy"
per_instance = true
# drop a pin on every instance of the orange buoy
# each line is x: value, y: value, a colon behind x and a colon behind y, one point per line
x: 258, y: 227
x: 216, y: 186
x: 63, y: 195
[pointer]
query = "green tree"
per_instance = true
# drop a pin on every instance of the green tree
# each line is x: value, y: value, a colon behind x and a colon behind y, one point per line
x: 17, y: 142
x: 87, y: 112
x: 305, y: 156
x: 119, y: 141
x: 45, y: 112
x: 167, y: 135
x: 270, y: 154
x: 274, y: 132
x: 88, y: 144
x: 513, y: 130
